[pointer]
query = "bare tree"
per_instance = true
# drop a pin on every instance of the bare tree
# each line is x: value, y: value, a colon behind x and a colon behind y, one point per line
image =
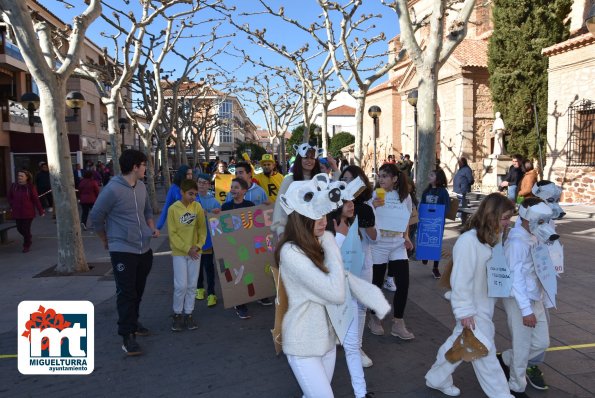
x: 41, y: 57
x: 438, y: 44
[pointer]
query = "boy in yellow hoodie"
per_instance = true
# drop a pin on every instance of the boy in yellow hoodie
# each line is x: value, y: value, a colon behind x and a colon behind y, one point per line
x: 187, y: 228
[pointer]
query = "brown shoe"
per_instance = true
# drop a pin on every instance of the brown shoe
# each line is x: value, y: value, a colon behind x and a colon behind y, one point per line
x: 400, y: 330
x: 375, y: 325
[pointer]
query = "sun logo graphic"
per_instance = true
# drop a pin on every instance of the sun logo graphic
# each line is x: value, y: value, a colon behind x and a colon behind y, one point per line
x: 56, y: 337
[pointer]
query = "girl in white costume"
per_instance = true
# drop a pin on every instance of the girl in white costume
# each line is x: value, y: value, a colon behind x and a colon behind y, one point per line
x: 471, y: 306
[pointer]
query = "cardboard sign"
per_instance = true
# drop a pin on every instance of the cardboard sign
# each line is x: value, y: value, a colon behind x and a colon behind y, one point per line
x: 244, y: 253
x: 341, y: 315
x: 352, y: 251
x: 393, y: 216
x: 222, y: 186
x: 499, y: 274
x: 429, y: 232
x: 557, y: 255
x: 544, y: 268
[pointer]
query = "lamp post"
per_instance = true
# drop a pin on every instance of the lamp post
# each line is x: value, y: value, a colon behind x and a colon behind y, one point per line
x: 590, y: 20
x: 412, y: 99
x: 123, y: 122
x: 374, y: 111
x: 30, y: 101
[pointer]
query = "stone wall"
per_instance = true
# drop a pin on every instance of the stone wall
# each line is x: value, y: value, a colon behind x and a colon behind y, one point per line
x: 578, y: 183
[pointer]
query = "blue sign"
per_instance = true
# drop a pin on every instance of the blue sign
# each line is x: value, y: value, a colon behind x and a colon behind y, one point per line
x: 352, y: 251
x: 429, y: 231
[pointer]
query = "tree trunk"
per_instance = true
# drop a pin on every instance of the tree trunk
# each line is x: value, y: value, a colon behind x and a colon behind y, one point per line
x: 359, y: 128
x: 71, y: 254
x: 325, y: 106
x: 114, y: 137
x: 165, y: 165
x: 426, y: 127
x: 282, y: 158
x: 146, y: 149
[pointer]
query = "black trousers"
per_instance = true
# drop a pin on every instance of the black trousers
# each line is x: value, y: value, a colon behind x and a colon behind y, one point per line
x: 400, y: 271
x: 24, y: 228
x: 130, y: 272
x: 86, y: 209
x: 206, y: 266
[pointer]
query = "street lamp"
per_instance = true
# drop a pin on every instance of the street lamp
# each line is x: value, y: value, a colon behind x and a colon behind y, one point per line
x: 374, y: 111
x: 412, y: 99
x: 590, y: 20
x: 123, y: 122
x: 30, y: 101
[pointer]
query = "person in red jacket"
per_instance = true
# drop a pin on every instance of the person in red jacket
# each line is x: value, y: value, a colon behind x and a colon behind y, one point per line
x: 23, y: 200
x: 88, y: 192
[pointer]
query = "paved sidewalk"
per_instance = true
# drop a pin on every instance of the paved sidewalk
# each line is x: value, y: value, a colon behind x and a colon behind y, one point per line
x: 228, y: 357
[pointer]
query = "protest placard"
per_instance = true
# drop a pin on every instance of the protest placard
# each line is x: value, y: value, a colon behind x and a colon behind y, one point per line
x: 499, y: 275
x: 244, y: 253
x: 393, y: 216
x: 222, y: 186
x: 544, y: 268
x: 352, y: 251
x: 430, y: 229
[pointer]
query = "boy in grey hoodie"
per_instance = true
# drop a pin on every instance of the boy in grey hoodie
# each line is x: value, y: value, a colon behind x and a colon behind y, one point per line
x: 123, y: 220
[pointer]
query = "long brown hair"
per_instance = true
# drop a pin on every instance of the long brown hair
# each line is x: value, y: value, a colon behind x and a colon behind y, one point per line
x: 300, y: 231
x: 401, y: 186
x: 486, y: 219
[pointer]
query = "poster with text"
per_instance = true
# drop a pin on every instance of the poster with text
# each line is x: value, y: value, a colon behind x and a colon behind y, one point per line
x: 544, y: 268
x: 393, y: 216
x: 244, y: 253
x: 222, y: 186
x: 429, y: 231
x: 499, y: 274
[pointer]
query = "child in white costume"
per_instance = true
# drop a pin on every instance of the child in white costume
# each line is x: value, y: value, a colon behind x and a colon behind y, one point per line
x: 527, y: 320
x: 470, y: 303
x: 311, y: 269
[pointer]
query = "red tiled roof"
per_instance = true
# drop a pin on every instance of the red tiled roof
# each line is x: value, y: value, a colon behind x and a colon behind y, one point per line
x: 472, y: 52
x: 570, y: 44
x: 188, y: 89
x: 343, y: 110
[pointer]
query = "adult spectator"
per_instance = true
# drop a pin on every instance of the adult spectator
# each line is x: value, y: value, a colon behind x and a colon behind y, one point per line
x: 88, y: 192
x: 513, y: 177
x: 44, y: 187
x: 23, y: 200
x: 78, y: 174
x: 255, y: 193
x: 270, y: 179
x: 463, y: 181
x: 405, y: 165
x: 529, y: 179
x: 123, y: 219
x: 221, y: 168
x: 174, y: 194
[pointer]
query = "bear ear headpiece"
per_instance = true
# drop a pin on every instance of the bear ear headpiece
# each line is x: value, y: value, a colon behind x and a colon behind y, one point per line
x: 349, y: 191
x: 303, y: 149
x: 312, y: 198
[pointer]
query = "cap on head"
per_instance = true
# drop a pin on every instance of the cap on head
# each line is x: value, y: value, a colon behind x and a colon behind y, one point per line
x: 267, y: 158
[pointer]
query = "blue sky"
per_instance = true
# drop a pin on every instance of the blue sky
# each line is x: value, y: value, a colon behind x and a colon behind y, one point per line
x: 305, y: 11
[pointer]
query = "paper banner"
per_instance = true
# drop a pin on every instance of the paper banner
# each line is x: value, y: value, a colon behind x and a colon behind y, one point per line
x: 544, y: 268
x: 499, y: 274
x: 244, y: 253
x: 430, y: 230
x: 393, y: 216
x: 222, y: 186
x: 557, y: 255
x: 341, y: 315
x: 352, y: 251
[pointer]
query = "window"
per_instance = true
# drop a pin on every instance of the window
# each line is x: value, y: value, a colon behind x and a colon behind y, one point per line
x: 225, y: 136
x: 581, y: 132
x: 225, y: 109
x: 91, y: 112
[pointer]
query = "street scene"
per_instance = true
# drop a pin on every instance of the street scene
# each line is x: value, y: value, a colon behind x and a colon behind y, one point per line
x: 297, y: 199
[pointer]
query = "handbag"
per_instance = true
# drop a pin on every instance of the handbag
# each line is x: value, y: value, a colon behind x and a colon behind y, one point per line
x: 453, y: 207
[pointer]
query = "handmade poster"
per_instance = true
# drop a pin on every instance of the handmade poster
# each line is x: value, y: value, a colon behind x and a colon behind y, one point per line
x: 430, y: 229
x: 544, y: 268
x: 222, y: 186
x: 557, y: 255
x: 244, y: 247
x: 341, y: 315
x: 352, y: 251
x: 499, y: 274
x: 393, y: 216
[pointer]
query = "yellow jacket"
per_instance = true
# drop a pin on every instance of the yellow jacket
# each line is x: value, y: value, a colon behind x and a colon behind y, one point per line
x: 187, y: 227
x: 270, y: 184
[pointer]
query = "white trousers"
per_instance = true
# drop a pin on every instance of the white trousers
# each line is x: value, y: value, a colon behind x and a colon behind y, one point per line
x: 526, y: 342
x: 366, y: 275
x: 352, y: 345
x: 487, y: 369
x: 314, y: 374
x: 185, y: 278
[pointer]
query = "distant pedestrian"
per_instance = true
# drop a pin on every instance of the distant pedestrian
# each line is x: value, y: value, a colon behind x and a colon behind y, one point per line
x: 463, y: 181
x: 123, y: 219
x: 88, y: 192
x: 187, y: 227
x: 23, y: 200
x: 44, y: 187
x: 527, y: 182
x: 513, y: 178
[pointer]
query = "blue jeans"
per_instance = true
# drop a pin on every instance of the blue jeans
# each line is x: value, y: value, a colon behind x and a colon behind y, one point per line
x: 512, y: 192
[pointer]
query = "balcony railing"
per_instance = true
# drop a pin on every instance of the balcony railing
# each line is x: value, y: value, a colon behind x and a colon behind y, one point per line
x: 13, y: 51
x: 13, y: 112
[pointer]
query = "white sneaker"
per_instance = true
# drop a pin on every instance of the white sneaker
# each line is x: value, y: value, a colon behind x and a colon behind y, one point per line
x: 366, y: 361
x: 451, y: 390
x: 389, y: 284
x: 447, y: 295
x: 50, y: 209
